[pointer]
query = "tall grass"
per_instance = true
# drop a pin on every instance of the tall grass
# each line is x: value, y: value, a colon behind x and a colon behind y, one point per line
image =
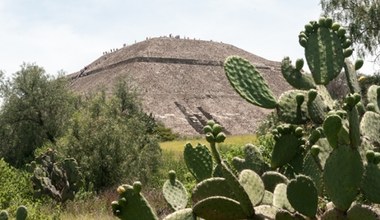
x: 235, y: 140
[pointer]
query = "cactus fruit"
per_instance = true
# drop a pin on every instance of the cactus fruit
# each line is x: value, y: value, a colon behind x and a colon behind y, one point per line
x: 253, y: 160
x: 174, y: 192
x: 198, y: 161
x: 131, y: 204
x: 253, y: 185
x: 280, y: 199
x: 302, y: 195
x: 294, y: 76
x: 287, y: 145
x: 248, y: 82
x: 272, y: 178
x: 183, y: 214
x: 219, y: 208
x: 342, y: 176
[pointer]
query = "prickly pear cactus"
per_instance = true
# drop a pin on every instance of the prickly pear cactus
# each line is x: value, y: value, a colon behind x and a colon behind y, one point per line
x: 219, y: 208
x: 4, y: 215
x: 342, y: 176
x: 253, y: 185
x: 174, y: 192
x: 58, y: 179
x: 288, y: 142
x: 371, y: 181
x: 358, y: 211
x: 248, y: 82
x: 272, y: 178
x: 280, y: 199
x: 294, y: 76
x: 303, y: 196
x: 21, y: 213
x: 183, y: 214
x: 131, y: 204
x: 199, y: 161
x: 324, y: 50
x: 253, y: 160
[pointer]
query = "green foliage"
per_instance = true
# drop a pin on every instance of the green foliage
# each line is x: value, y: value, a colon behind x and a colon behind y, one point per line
x: 361, y: 19
x: 112, y: 140
x: 16, y: 189
x: 36, y: 108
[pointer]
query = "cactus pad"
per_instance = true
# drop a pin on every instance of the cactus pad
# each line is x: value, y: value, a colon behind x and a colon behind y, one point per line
x: 295, y: 77
x: 324, y: 55
x: 248, y: 82
x: 253, y: 160
x: 335, y: 131
x: 4, y: 215
x: 291, y: 110
x: 215, y: 186
x: 371, y: 182
x: 358, y: 211
x: 288, y: 143
x: 316, y: 107
x: 373, y: 95
x: 342, y: 176
x: 21, y: 213
x: 265, y: 212
x: 175, y: 193
x: 313, y: 169
x: 253, y: 185
x: 349, y: 70
x: 238, y: 190
x: 219, y: 208
x: 333, y: 214
x: 272, y: 178
x: 183, y: 214
x: 268, y: 198
x: 303, y: 196
x: 199, y: 161
x: 280, y: 199
x: 370, y: 126
x: 131, y: 204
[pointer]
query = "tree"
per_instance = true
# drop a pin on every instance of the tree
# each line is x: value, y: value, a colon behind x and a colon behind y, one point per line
x: 361, y: 18
x: 35, y: 110
x: 111, y: 139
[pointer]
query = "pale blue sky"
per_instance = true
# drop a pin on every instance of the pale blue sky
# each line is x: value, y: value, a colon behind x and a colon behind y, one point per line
x: 67, y: 35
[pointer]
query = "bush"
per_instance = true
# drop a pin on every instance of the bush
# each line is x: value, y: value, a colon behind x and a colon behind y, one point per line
x: 16, y: 190
x: 110, y: 138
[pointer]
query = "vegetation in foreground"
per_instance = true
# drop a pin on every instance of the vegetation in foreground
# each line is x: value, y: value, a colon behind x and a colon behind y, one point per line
x: 325, y: 150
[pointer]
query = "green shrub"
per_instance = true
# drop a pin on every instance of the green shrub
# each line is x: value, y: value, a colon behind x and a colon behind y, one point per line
x: 111, y: 140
